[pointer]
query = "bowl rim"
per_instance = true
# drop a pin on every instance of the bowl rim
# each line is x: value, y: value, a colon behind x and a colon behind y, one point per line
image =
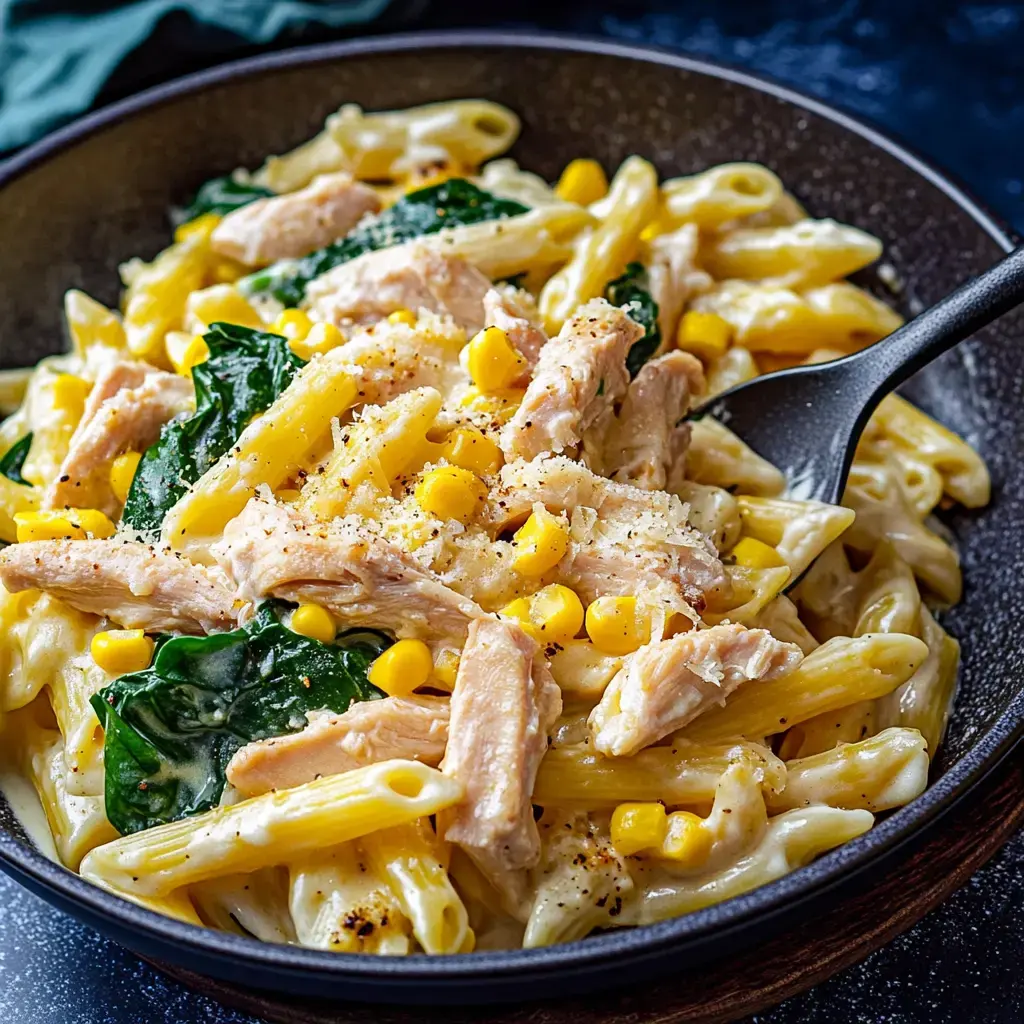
x: 828, y: 872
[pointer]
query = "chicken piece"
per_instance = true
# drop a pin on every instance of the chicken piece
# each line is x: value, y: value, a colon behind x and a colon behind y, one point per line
x: 623, y: 540
x: 271, y: 550
x: 673, y: 277
x: 645, y: 444
x: 135, y: 585
x: 514, y: 311
x: 668, y: 683
x: 411, y: 276
x: 579, y: 377
x: 412, y: 728
x: 502, y: 709
x: 289, y: 226
x: 130, y: 418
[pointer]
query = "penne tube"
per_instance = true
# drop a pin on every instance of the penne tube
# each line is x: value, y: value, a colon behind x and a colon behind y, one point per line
x: 716, y: 456
x: 719, y: 195
x: 13, y: 386
x: 746, y: 594
x: 801, y: 255
x: 823, y: 732
x: 341, y: 903
x: 791, y: 840
x: 712, y: 510
x: 255, y: 905
x: 838, y: 673
x: 876, y: 774
x: 736, y: 366
x: 268, y: 451
x: 798, y: 530
x: 683, y: 774
x: 602, y: 252
x: 582, y: 670
x: 888, y: 600
x: 272, y: 828
x: 72, y: 686
x: 782, y: 619
x: 408, y: 858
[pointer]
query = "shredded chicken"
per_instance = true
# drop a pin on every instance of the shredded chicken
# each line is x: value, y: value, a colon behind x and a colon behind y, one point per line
x: 645, y: 443
x: 579, y: 377
x: 292, y: 225
x: 623, y: 540
x: 130, y: 418
x: 514, y: 311
x: 673, y: 276
x: 271, y: 550
x: 411, y: 276
x: 668, y: 683
x: 413, y: 728
x: 502, y: 709
x: 135, y: 585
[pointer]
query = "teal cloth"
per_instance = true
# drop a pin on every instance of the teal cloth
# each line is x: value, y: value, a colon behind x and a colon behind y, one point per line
x: 56, y: 57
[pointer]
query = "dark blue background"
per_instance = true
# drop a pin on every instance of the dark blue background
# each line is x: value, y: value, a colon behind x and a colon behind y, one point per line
x: 949, y: 79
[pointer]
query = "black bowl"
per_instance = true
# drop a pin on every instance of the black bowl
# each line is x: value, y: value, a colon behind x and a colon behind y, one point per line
x: 89, y: 196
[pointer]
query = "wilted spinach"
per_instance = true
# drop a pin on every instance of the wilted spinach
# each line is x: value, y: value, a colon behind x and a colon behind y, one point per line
x: 632, y: 292
x: 12, y: 462
x: 222, y: 195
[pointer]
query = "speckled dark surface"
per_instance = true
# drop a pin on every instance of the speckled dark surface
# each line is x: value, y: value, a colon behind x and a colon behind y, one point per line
x: 958, y: 964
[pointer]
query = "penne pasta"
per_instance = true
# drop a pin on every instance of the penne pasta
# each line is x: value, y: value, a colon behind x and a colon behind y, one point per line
x: 720, y: 194
x: 717, y: 457
x: 255, y: 904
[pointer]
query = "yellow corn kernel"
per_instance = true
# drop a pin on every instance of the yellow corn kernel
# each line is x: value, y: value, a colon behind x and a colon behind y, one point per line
x: 637, y: 827
x: 69, y: 394
x: 493, y: 361
x: 615, y: 625
x: 315, y: 622
x: 449, y: 492
x: 222, y: 303
x: 403, y: 667
x: 118, y: 651
x: 518, y: 611
x: 91, y: 323
x: 540, y: 543
x: 402, y: 316
x: 186, y: 351
x: 583, y: 181
x: 200, y: 227
x: 469, y: 448
x: 446, y: 668
x: 755, y: 554
x: 687, y: 842
x: 65, y: 524
x: 557, y: 612
x: 705, y: 335
x: 320, y: 339
x: 226, y: 271
x: 122, y: 473
x: 292, y: 324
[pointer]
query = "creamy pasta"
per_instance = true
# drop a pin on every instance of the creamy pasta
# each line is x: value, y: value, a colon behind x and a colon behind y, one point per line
x: 365, y: 586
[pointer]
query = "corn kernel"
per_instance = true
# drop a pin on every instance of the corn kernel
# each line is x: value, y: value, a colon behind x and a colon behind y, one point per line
x: 540, y: 543
x: 91, y: 323
x: 468, y: 448
x: 616, y: 626
x: 199, y: 227
x: 118, y: 651
x: 63, y: 524
x: 557, y: 612
x: 583, y: 181
x: 292, y: 324
x: 186, y: 351
x: 226, y: 271
x: 518, y: 611
x: 403, y: 667
x: 320, y: 339
x: 402, y: 316
x: 122, y: 473
x: 446, y: 668
x: 755, y: 554
x: 221, y: 303
x: 687, y: 842
x: 706, y: 335
x: 449, y: 492
x: 493, y: 361
x: 637, y: 827
x: 69, y: 394
x: 315, y: 622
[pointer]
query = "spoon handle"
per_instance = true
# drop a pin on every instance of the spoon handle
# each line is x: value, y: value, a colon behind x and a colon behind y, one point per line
x: 889, y: 363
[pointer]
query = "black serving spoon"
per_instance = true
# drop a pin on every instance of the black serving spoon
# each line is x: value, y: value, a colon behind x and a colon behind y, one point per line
x: 807, y: 420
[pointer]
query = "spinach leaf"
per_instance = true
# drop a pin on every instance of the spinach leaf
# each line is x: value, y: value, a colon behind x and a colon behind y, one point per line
x: 222, y: 195
x: 452, y: 203
x: 632, y: 291
x: 171, y: 729
x: 11, y: 463
x: 246, y: 371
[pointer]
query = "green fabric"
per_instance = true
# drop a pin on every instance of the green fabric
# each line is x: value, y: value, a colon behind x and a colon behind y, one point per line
x: 56, y: 57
